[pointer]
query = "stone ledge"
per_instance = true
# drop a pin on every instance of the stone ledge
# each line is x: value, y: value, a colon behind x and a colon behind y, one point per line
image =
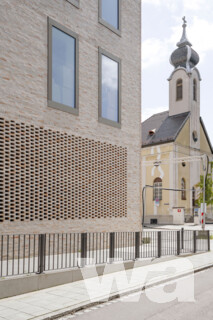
x: 18, y: 285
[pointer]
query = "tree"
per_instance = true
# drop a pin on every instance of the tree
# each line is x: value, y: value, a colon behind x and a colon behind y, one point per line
x: 208, y: 189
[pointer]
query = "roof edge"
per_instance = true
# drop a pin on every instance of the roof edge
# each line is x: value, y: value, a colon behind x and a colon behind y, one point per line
x: 167, y: 111
x: 156, y: 143
x: 206, y: 134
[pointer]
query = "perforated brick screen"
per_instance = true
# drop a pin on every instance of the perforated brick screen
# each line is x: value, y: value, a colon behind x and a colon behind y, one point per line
x: 46, y: 174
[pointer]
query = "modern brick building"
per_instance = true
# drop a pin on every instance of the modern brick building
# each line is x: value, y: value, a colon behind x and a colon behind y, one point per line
x: 70, y: 110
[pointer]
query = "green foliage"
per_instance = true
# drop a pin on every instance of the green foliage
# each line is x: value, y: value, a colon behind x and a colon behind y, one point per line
x: 208, y: 190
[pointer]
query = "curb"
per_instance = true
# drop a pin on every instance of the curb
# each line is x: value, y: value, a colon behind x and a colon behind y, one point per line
x: 83, y: 306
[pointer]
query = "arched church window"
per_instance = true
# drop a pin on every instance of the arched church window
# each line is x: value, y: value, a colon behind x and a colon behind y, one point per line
x: 179, y: 89
x: 194, y: 90
x: 183, y: 187
x: 157, y: 190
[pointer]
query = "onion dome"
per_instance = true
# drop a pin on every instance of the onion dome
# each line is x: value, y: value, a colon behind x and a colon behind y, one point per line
x: 184, y: 56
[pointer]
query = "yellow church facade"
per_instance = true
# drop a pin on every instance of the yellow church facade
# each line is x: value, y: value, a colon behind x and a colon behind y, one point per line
x: 159, y: 162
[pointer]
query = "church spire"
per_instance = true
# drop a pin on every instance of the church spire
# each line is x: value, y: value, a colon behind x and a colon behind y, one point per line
x: 184, y: 41
x: 184, y: 56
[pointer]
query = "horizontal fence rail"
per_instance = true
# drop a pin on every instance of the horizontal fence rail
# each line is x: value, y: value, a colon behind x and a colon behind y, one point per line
x: 33, y: 253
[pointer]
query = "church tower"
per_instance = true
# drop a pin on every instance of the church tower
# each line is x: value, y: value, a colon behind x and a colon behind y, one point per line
x: 172, y: 143
x: 184, y: 86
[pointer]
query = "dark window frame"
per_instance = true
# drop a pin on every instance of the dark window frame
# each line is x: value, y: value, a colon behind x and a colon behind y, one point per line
x: 194, y: 90
x: 179, y: 90
x: 118, y: 60
x: 107, y: 24
x: 75, y: 3
x: 53, y: 104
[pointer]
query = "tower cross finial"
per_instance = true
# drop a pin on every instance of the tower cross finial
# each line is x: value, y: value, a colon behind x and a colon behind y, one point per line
x: 184, y: 41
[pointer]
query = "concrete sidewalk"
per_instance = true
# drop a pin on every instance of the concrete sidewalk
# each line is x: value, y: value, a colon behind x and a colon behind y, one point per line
x: 60, y: 300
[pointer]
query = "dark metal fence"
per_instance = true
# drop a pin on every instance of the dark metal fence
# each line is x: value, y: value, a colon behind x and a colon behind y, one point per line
x: 62, y: 251
x: 24, y: 254
x: 169, y: 243
x: 19, y: 254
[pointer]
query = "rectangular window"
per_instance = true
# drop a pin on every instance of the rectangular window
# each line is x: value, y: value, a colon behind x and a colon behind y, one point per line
x: 109, y: 14
x: 179, y: 90
x: 157, y: 191
x: 62, y: 68
x: 109, y: 89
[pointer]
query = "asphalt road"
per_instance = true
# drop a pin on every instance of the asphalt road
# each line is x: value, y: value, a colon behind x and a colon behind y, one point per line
x: 139, y: 306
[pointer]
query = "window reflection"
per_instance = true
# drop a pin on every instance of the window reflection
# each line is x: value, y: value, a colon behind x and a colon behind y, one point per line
x: 110, y: 89
x: 110, y: 12
x: 63, y: 68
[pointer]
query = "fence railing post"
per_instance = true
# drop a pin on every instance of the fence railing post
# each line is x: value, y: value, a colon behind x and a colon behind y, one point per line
x: 112, y: 246
x: 195, y: 241
x: 83, y: 249
x: 41, y: 253
x: 208, y: 239
x: 182, y: 238
x: 137, y: 245
x: 178, y: 243
x: 159, y: 244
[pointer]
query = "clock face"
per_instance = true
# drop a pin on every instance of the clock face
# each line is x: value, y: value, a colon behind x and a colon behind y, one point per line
x: 194, y: 135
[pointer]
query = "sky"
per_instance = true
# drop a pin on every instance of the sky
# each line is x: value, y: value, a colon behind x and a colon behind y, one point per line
x: 161, y: 30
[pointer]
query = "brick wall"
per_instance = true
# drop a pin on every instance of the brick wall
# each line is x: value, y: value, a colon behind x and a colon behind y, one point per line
x: 23, y: 96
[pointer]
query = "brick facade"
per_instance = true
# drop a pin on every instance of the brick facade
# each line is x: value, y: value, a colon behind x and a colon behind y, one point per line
x: 113, y: 203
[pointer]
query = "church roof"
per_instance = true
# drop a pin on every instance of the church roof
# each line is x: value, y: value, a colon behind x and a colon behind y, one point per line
x: 161, y: 128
